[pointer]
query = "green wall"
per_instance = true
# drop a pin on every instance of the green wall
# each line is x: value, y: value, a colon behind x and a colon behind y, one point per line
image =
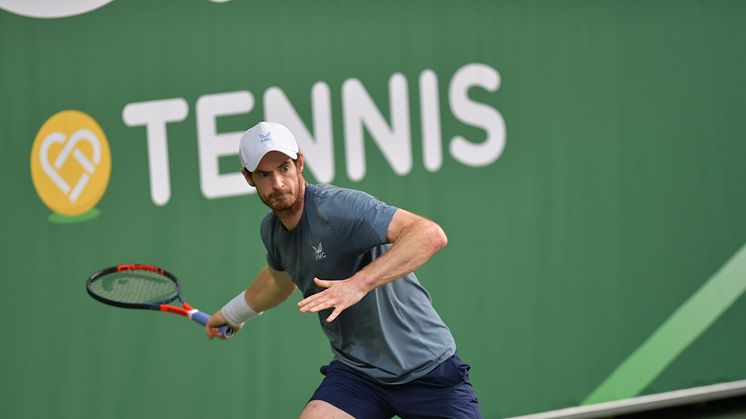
x: 594, y: 192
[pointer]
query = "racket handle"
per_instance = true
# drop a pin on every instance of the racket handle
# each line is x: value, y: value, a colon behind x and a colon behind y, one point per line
x: 201, y: 318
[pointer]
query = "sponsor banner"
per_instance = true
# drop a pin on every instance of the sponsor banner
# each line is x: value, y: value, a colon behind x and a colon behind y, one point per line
x: 584, y: 159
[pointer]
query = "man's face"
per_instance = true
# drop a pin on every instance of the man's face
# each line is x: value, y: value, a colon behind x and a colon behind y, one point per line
x: 278, y: 181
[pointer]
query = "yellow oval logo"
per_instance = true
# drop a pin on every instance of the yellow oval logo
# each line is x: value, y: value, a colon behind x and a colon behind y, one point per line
x: 71, y: 164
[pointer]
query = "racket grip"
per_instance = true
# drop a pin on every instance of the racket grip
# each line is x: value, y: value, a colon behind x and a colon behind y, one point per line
x: 202, y: 318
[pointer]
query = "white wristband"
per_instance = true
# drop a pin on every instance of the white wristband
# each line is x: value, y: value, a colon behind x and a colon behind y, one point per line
x: 238, y: 311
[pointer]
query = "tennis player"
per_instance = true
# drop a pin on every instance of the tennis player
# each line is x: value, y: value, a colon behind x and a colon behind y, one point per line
x: 353, y: 257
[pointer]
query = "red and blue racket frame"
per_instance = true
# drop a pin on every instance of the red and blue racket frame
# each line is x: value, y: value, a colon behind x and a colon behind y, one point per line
x: 184, y: 310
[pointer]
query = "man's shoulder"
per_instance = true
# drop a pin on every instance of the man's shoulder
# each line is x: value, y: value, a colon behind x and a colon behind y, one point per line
x: 333, y: 204
x: 326, y: 194
x: 325, y: 190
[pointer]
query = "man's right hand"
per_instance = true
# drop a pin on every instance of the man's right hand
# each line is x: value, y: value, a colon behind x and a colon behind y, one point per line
x: 212, y: 328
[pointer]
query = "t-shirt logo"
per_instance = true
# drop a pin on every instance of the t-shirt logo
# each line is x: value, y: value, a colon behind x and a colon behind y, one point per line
x: 319, y: 251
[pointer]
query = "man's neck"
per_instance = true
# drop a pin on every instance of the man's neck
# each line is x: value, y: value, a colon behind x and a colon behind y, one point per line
x: 291, y: 217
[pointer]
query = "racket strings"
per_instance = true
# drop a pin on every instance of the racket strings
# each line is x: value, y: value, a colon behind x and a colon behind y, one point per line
x: 135, y: 287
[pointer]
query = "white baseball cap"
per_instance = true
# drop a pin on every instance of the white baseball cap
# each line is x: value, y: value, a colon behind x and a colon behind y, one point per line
x: 263, y: 138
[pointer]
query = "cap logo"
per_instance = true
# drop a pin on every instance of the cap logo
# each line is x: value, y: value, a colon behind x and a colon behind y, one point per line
x: 265, y: 138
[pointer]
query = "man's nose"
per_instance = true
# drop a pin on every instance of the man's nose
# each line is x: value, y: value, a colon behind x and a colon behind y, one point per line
x: 277, y: 182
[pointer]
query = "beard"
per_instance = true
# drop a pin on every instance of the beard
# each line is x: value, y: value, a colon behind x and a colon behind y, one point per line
x: 283, y: 202
x: 280, y: 201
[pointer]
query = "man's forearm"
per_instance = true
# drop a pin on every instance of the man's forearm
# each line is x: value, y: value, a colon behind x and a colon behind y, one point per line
x: 415, y: 244
x: 267, y: 291
x: 414, y: 241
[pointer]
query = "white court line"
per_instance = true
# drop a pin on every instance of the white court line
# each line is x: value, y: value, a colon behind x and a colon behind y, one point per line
x: 644, y: 403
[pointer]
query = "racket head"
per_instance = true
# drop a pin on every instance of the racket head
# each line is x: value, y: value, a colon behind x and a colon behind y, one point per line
x: 134, y: 286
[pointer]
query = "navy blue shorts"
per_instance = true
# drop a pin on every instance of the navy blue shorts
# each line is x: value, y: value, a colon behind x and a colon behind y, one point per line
x: 445, y: 392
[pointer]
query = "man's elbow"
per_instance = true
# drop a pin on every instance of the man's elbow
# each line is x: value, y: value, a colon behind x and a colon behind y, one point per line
x: 437, y: 237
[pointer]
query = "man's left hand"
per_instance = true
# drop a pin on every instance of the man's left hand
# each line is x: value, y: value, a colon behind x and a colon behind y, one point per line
x: 339, y: 294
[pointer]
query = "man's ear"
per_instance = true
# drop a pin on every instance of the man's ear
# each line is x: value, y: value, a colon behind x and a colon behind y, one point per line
x: 299, y: 162
x: 247, y: 175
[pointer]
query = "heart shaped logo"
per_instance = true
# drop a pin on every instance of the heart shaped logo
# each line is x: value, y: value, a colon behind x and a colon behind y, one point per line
x: 70, y: 163
x: 69, y: 149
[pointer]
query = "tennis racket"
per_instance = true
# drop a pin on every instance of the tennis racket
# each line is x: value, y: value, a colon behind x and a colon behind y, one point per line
x: 144, y: 287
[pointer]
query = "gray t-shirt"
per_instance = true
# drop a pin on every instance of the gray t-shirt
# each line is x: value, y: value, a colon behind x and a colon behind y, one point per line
x: 393, y: 335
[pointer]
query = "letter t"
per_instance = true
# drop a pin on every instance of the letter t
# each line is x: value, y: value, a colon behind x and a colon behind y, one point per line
x: 155, y: 115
